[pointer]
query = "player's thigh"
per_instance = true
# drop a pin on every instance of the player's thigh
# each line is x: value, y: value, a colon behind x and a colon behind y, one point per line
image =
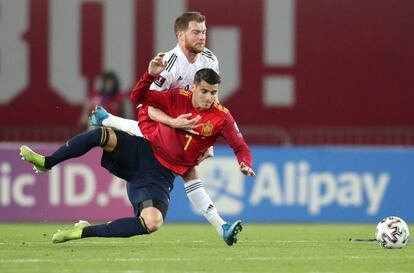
x: 148, y: 196
x: 129, y: 154
x: 191, y: 174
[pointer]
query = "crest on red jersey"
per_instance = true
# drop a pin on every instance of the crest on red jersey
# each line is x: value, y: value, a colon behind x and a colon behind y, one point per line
x: 207, y: 129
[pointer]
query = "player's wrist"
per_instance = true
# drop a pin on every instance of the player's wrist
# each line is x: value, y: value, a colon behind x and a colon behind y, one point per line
x: 150, y: 76
x: 171, y: 122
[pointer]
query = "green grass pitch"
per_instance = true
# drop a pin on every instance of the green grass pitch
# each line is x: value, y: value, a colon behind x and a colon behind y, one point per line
x: 197, y: 248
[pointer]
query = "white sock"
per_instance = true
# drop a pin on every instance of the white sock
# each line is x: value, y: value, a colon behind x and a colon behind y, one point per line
x: 202, y: 202
x: 123, y: 124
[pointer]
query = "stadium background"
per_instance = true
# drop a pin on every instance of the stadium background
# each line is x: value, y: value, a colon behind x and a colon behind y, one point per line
x: 322, y: 91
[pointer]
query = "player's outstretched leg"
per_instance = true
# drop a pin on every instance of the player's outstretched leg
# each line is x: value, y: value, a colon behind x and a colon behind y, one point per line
x: 121, y: 228
x: 70, y: 234
x: 77, y: 146
x: 37, y: 160
x: 100, y: 117
x: 230, y: 231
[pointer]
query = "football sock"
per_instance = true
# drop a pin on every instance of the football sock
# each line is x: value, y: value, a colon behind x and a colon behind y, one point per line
x: 126, y: 125
x: 202, y: 202
x: 124, y: 227
x: 78, y: 146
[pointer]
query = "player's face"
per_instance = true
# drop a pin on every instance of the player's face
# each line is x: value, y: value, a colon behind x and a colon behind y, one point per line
x: 204, y: 94
x: 195, y: 37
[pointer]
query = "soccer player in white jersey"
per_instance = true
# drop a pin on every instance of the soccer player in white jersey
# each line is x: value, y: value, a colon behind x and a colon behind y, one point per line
x: 189, y: 56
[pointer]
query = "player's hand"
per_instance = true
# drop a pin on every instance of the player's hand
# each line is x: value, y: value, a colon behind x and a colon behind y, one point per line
x: 246, y: 170
x: 208, y: 153
x: 157, y: 64
x: 182, y: 122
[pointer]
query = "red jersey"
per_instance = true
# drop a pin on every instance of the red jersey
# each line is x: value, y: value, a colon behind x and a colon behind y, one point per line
x: 177, y: 149
x: 145, y: 123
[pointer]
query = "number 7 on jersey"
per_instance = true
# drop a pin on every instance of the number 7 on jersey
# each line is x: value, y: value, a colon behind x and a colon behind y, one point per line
x: 189, y: 138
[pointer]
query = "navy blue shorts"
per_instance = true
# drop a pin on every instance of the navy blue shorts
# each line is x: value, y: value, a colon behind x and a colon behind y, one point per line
x: 134, y: 161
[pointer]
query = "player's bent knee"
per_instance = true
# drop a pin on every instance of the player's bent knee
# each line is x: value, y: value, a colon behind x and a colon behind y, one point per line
x: 152, y: 218
x: 154, y: 226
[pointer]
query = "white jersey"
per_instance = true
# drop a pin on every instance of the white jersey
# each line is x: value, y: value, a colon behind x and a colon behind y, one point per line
x: 179, y: 73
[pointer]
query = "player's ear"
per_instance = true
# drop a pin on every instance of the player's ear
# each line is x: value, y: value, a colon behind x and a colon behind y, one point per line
x: 180, y: 35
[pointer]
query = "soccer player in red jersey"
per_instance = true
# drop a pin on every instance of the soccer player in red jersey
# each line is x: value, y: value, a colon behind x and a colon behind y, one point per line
x: 214, y: 119
x: 150, y: 166
x: 189, y: 56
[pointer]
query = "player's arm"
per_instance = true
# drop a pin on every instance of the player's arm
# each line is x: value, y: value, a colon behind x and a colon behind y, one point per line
x: 236, y: 141
x: 141, y: 93
x: 160, y: 100
x: 166, y: 78
x: 164, y: 81
x: 181, y: 122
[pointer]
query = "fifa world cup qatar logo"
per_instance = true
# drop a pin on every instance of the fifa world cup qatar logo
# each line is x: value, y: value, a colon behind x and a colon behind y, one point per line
x: 224, y: 183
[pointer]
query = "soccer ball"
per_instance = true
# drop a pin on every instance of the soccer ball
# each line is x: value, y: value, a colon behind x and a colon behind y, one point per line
x: 392, y: 232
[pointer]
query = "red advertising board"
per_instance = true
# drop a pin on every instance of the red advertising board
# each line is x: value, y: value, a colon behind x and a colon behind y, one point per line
x: 286, y: 64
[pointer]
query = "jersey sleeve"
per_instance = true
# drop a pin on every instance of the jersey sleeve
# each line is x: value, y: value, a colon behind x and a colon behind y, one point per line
x: 215, y: 66
x: 162, y: 82
x: 165, y: 79
x: 141, y: 94
x: 236, y: 141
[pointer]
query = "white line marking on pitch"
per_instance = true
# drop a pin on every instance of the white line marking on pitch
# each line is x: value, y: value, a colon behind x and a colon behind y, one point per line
x: 121, y: 260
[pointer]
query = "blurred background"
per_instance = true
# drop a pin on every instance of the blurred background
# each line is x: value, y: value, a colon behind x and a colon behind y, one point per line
x: 322, y: 90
